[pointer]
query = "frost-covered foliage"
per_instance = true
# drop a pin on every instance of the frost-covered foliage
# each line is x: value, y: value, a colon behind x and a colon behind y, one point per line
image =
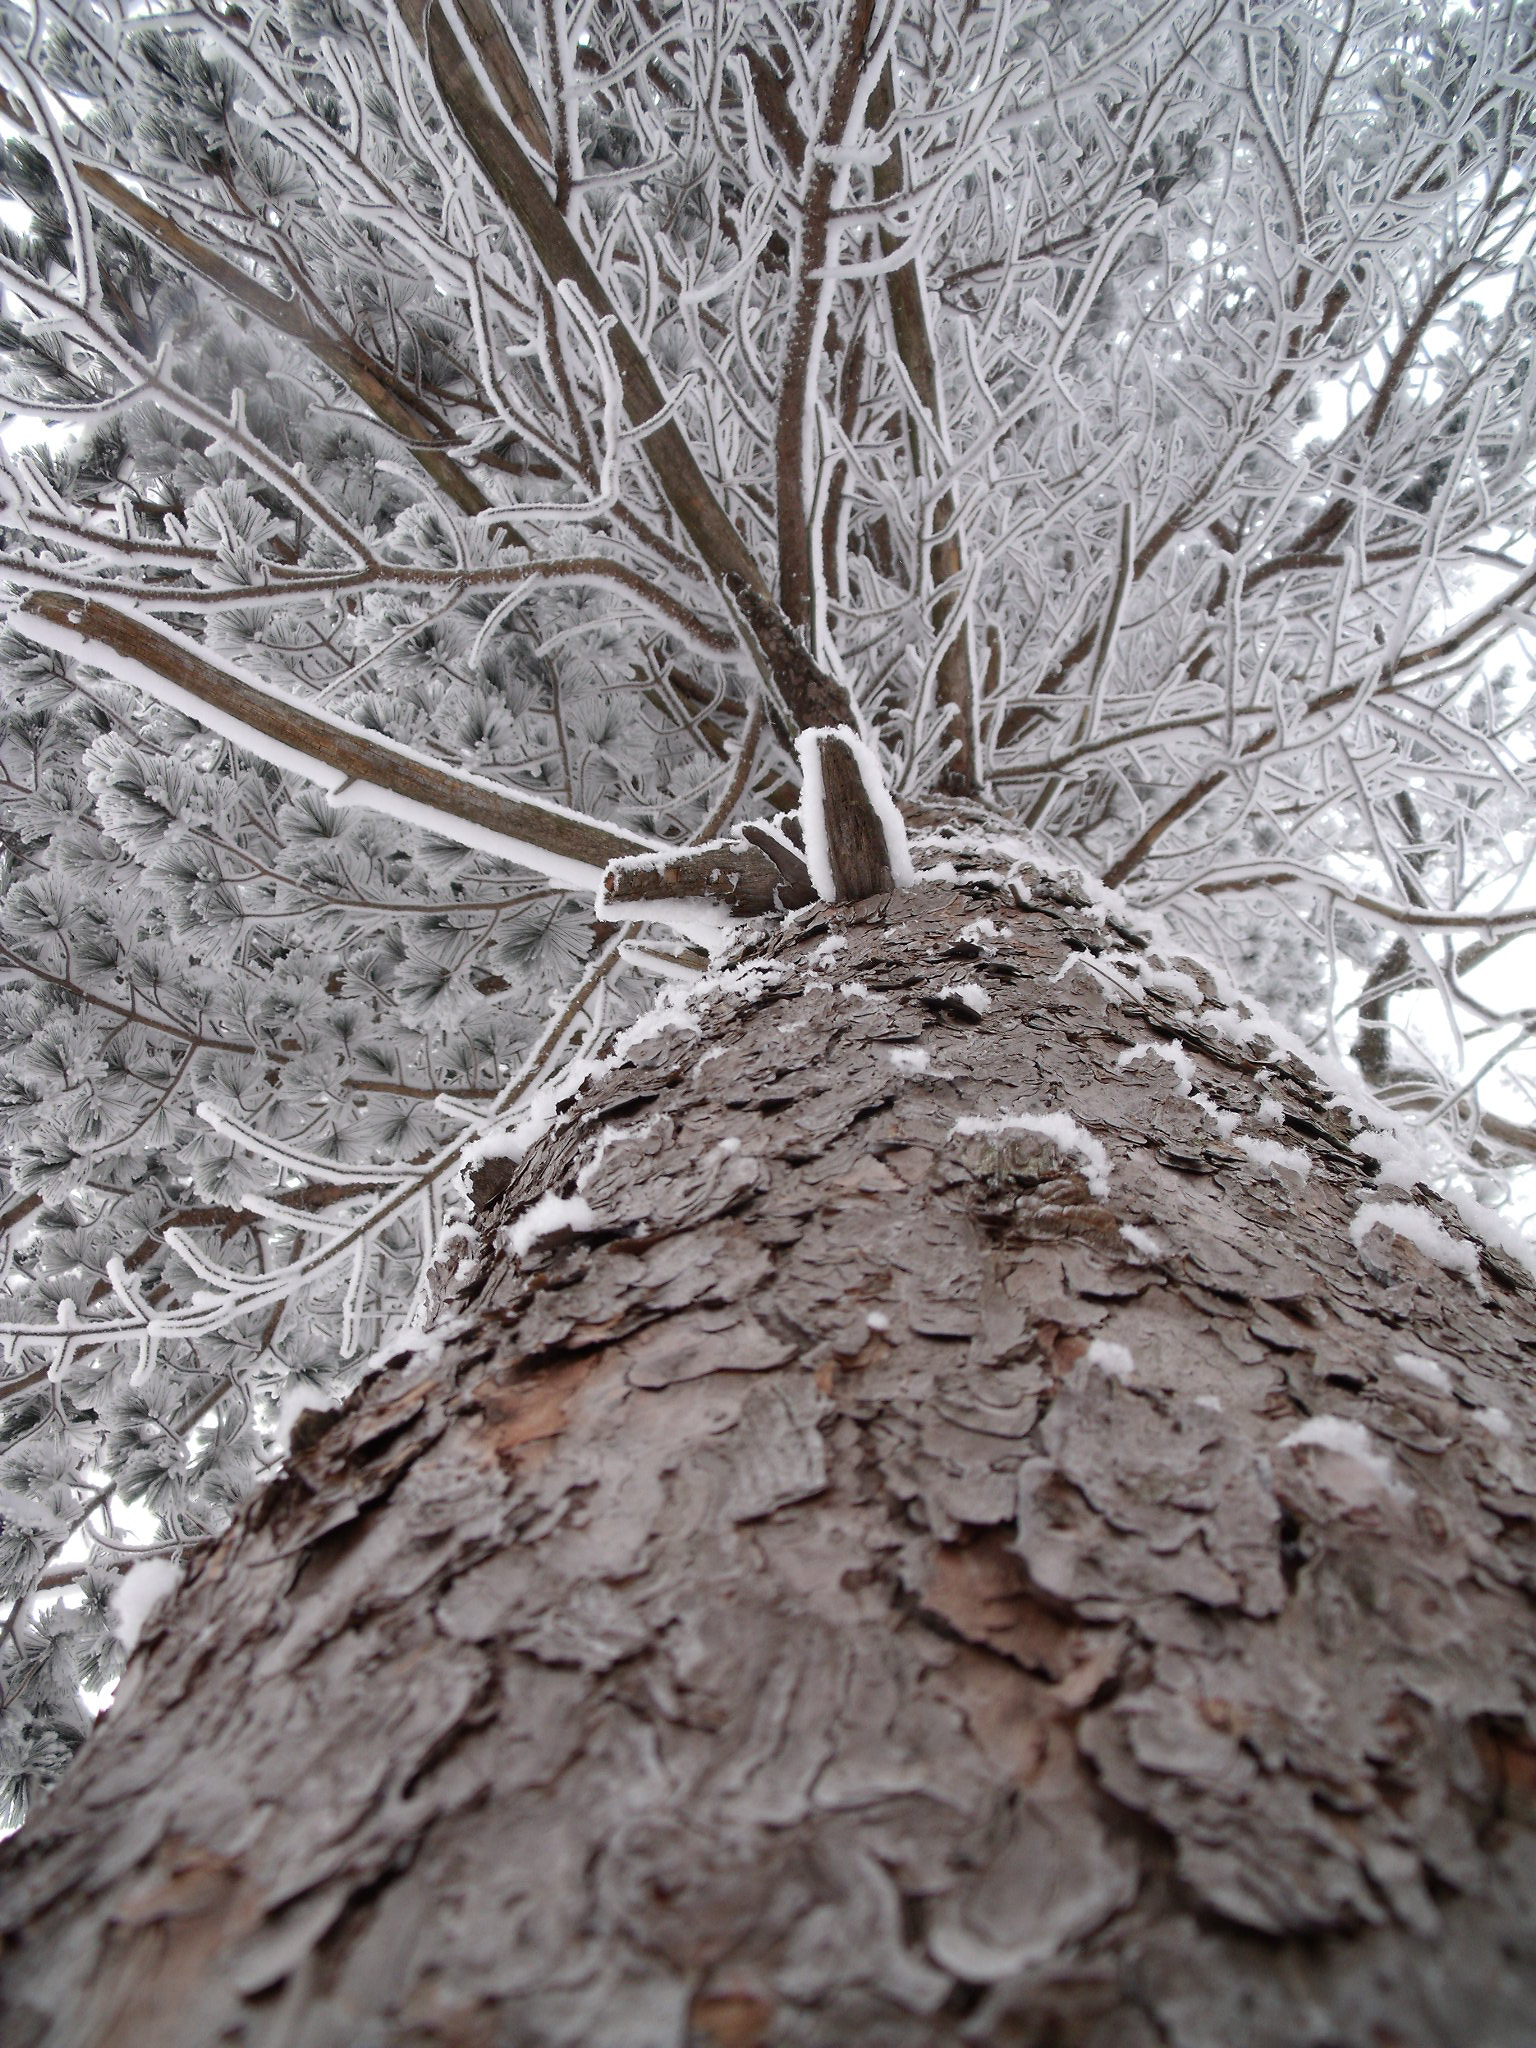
x: 1126, y: 406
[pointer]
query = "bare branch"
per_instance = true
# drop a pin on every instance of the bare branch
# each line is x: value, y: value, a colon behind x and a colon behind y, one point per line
x: 954, y: 685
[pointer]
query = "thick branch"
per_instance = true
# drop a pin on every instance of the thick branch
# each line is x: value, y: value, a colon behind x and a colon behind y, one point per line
x: 1500, y: 1130
x: 520, y: 186
x: 353, y: 767
x: 1372, y: 1049
x: 857, y: 849
x: 806, y: 323
x: 811, y: 693
x: 491, y: 131
x: 755, y: 873
x: 954, y: 689
x: 339, y: 352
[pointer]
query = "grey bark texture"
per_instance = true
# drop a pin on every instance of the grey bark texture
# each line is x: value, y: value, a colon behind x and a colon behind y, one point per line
x: 853, y: 1593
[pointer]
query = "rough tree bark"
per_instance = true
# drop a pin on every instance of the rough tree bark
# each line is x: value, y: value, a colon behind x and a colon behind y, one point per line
x: 867, y: 1585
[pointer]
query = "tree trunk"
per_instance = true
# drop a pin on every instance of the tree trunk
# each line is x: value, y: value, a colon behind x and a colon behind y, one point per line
x: 864, y: 1581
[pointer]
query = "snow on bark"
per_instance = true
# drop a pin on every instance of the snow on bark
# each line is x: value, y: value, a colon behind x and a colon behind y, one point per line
x: 1266, y: 1152
x: 1347, y: 1438
x: 1427, y: 1232
x: 1495, y: 1421
x: 909, y: 1059
x: 138, y: 1593
x: 517, y: 1140
x: 873, y: 1585
x: 970, y: 995
x: 549, y: 1215
x: 1115, y: 1359
x: 1429, y: 1372
x: 1059, y: 1127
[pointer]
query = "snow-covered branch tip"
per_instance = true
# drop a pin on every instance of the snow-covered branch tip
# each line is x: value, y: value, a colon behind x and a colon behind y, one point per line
x: 847, y: 841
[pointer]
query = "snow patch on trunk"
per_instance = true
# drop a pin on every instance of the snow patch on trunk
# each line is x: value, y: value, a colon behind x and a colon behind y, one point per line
x: 1425, y: 1232
x: 970, y: 995
x: 137, y: 1594
x: 550, y: 1213
x: 666, y: 1016
x: 297, y: 1400
x: 624, y: 1134
x: 1175, y: 1055
x: 1060, y: 1128
x: 1270, y: 1154
x: 1427, y: 1371
x: 1347, y: 1439
x: 1113, y: 1359
x: 1169, y: 981
x: 539, y: 1115
x: 908, y: 1059
x: 1495, y: 1421
x: 1267, y: 1153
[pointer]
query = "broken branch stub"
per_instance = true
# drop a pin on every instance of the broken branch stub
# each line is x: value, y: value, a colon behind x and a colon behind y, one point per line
x: 754, y: 873
x: 847, y: 843
x: 797, y: 889
x: 857, y: 849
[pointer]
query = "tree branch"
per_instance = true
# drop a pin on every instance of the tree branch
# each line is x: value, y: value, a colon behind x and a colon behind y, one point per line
x: 954, y: 682
x: 806, y: 322
x: 457, y: 49
x: 353, y: 767
x: 1397, y: 915
x: 341, y: 354
x: 754, y: 873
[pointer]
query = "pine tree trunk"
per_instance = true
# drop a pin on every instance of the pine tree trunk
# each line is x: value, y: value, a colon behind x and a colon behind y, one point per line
x: 852, y: 1589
